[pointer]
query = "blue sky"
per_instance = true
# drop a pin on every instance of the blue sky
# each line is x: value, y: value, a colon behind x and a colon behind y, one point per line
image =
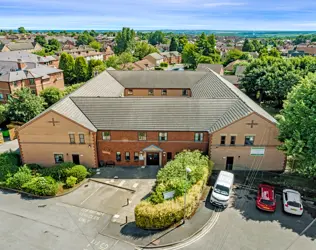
x: 159, y: 14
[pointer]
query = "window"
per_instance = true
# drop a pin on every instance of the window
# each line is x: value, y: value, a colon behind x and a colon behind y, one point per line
x: 169, y: 156
x: 130, y: 92
x: 1, y: 96
x: 127, y: 156
x: 142, y: 136
x: 150, y: 92
x: 233, y: 140
x: 223, y: 140
x: 81, y: 139
x: 164, y: 92
x: 106, y: 136
x: 249, y: 140
x: 118, y: 156
x: 59, y: 158
x: 136, y: 156
x: 198, y: 137
x: 32, y: 81
x: 185, y: 92
x: 163, y: 136
x: 72, y: 138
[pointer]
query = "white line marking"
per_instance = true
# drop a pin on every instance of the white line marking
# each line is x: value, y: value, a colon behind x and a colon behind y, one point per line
x: 135, y: 185
x: 121, y: 183
x: 112, y: 180
x: 90, y: 195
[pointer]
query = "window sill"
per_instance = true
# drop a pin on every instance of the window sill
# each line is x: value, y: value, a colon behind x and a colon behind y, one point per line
x: 82, y: 143
x: 72, y: 143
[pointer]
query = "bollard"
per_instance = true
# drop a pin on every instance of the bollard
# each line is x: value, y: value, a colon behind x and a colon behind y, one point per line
x: 127, y: 201
x: 125, y: 219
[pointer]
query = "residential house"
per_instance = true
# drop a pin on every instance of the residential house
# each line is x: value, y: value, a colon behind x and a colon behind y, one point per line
x: 141, y: 118
x: 240, y: 69
x: 218, y: 68
x: 230, y: 66
x: 107, y: 53
x: 154, y: 58
x: 85, y: 51
x: 171, y: 57
x: 162, y: 47
x: 21, y: 46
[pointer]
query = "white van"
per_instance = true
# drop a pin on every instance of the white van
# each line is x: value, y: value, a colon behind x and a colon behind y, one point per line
x: 222, y: 189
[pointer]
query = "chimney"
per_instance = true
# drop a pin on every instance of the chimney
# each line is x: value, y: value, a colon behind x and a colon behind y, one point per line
x: 21, y: 64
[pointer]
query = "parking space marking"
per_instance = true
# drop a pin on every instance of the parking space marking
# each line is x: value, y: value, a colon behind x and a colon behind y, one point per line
x: 100, y: 245
x: 121, y: 183
x: 86, y: 215
x: 90, y: 195
x: 135, y: 185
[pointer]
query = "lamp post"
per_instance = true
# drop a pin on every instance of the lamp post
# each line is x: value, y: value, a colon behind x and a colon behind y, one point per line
x: 187, y: 170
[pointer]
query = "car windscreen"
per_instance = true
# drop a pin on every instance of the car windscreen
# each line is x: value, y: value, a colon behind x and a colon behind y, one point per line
x: 293, y: 204
x: 266, y: 202
x: 221, y: 190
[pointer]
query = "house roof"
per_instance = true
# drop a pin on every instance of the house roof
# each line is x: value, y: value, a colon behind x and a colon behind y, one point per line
x: 156, y: 56
x: 13, y: 46
x: 215, y: 102
x: 144, y: 64
x: 209, y: 67
x: 234, y: 79
x: 240, y: 70
x: 26, y: 57
x: 170, y: 53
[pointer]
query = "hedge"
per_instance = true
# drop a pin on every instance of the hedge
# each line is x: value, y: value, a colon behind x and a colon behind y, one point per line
x: 9, y: 164
x: 157, y: 213
x: 163, y: 215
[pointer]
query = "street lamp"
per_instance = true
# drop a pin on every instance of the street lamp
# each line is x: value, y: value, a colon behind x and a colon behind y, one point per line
x: 187, y: 170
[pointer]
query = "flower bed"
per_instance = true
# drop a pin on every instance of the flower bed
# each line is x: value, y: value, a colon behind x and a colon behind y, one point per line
x: 157, y: 213
x: 38, y: 180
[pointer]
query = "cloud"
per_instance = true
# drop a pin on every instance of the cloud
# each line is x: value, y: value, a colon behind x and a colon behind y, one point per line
x: 218, y: 4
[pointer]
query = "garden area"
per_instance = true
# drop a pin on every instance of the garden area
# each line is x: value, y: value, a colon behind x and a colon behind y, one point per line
x: 37, y: 180
x: 187, y: 173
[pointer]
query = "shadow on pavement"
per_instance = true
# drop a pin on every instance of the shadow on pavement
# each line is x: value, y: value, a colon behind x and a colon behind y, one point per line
x: 131, y: 230
x: 244, y: 202
x: 149, y: 172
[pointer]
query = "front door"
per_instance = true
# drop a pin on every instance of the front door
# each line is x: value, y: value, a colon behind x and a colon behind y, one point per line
x: 76, y: 159
x: 152, y: 159
x: 229, y: 163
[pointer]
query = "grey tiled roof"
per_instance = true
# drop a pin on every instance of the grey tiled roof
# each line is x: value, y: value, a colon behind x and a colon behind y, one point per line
x: 13, y: 56
x: 167, y: 114
x: 13, y: 46
x: 209, y: 67
x: 157, y: 79
x: 156, y: 56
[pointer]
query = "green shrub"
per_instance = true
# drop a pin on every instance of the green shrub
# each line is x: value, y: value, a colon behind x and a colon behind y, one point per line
x: 21, y: 177
x: 158, y: 68
x: 10, y: 158
x: 71, y: 181
x: 78, y: 171
x: 164, y: 64
x: 7, y: 170
x: 44, y: 186
x: 58, y: 172
x: 34, y: 166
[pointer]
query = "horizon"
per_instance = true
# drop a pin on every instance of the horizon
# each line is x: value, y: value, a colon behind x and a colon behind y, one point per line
x: 230, y: 15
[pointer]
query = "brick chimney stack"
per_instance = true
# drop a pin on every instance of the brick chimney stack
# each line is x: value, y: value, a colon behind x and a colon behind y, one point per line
x: 21, y: 64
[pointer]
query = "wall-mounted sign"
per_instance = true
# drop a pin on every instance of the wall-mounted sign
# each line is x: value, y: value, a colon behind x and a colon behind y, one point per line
x: 168, y: 195
x: 257, y: 151
x: 141, y: 157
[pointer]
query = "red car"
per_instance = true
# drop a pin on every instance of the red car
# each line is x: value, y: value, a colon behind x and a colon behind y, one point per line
x: 266, y: 199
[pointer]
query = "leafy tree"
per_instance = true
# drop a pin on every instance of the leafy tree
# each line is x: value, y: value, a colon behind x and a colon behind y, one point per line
x: 93, y: 33
x: 270, y: 78
x: 2, y: 113
x: 95, y: 66
x: 300, y: 39
x: 233, y: 55
x: 81, y: 69
x: 84, y: 39
x: 203, y: 45
x: 40, y: 40
x: 246, y: 56
x: 183, y: 40
x: 173, y: 44
x: 205, y: 59
x: 156, y: 37
x: 257, y: 45
x: 274, y: 52
x: 96, y: 45
x: 297, y: 126
x: 67, y: 64
x: 51, y: 95
x: 248, y: 46
x: 112, y: 62
x: 125, y: 41
x: 212, y: 41
x: 72, y: 88
x: 190, y: 56
x: 24, y: 106
x: 53, y: 45
x: 125, y: 58
x: 143, y: 49
x: 21, y: 30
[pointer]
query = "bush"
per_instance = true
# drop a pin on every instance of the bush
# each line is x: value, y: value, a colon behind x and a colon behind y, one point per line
x: 158, y: 68
x: 163, y: 64
x: 9, y: 164
x: 71, y: 181
x: 79, y: 171
x: 157, y: 213
x: 23, y: 176
x: 44, y: 186
x: 58, y: 172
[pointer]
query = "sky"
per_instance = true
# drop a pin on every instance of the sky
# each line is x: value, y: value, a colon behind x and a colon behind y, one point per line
x: 159, y: 14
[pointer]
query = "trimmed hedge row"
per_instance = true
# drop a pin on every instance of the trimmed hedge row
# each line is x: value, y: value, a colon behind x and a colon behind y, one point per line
x: 163, y: 215
x: 157, y: 213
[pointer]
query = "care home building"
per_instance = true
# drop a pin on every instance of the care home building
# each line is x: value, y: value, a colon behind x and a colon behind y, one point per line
x: 137, y: 118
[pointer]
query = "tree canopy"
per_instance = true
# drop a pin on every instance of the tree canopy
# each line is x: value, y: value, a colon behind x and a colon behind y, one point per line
x: 297, y: 126
x: 40, y: 40
x: 156, y: 37
x: 67, y: 64
x: 232, y: 55
x: 248, y: 46
x: 81, y: 69
x: 96, y: 45
x: 23, y: 105
x: 95, y: 66
x: 21, y: 30
x: 84, y: 39
x: 142, y: 49
x: 190, y: 56
x: 173, y: 44
x: 125, y: 41
x: 51, y: 95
